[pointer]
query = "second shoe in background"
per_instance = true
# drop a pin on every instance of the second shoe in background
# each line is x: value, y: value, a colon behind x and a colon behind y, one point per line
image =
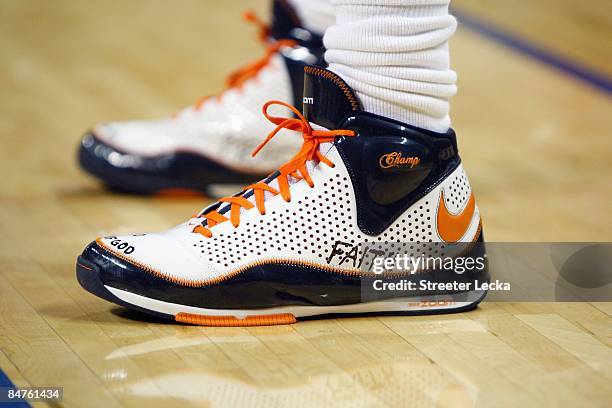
x: 211, y: 141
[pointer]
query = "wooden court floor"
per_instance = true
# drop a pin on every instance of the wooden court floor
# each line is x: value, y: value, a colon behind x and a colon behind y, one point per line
x: 536, y: 143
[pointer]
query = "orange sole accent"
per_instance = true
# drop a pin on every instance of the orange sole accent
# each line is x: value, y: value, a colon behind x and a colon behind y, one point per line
x: 231, y: 321
x: 178, y: 193
x: 85, y: 267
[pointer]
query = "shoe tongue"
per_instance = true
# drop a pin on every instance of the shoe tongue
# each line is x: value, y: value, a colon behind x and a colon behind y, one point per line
x: 327, y: 98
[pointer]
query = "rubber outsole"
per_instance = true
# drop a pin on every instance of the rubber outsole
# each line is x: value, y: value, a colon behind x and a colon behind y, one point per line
x: 88, y: 276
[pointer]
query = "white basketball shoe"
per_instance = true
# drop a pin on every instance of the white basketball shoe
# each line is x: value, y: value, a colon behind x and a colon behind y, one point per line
x: 322, y: 235
x: 211, y: 141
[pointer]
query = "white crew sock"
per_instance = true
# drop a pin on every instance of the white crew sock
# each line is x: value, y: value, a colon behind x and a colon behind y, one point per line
x: 394, y: 54
x: 316, y: 15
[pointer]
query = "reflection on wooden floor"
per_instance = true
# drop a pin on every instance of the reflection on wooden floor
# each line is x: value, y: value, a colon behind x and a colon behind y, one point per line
x: 536, y: 144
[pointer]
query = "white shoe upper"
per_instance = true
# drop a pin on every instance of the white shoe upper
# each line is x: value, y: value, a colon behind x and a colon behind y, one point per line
x: 224, y: 129
x: 301, y: 231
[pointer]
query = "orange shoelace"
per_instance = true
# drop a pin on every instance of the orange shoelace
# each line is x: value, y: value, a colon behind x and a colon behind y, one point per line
x: 240, y: 76
x: 296, y: 167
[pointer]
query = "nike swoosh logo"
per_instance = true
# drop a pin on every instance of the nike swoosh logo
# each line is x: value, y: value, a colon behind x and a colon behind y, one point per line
x: 452, y: 227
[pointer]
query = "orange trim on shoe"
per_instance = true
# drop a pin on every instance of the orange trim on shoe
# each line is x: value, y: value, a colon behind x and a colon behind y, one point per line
x: 271, y: 261
x: 126, y: 258
x: 229, y: 275
x: 336, y: 80
x: 451, y: 227
x: 231, y: 321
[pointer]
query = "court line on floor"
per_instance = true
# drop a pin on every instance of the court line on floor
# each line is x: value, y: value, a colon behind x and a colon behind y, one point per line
x: 6, y: 382
x: 599, y: 80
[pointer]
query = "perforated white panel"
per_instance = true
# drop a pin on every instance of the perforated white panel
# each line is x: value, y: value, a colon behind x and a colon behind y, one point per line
x: 302, y: 230
x: 306, y: 228
x: 458, y: 192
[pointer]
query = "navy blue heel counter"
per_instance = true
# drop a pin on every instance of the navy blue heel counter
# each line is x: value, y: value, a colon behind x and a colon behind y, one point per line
x: 392, y: 165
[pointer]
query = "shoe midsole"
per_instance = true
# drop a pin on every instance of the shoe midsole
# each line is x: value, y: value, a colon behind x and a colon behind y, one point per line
x: 407, y: 304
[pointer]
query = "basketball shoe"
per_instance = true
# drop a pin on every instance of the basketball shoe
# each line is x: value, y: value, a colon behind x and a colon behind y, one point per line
x: 302, y: 241
x: 210, y: 141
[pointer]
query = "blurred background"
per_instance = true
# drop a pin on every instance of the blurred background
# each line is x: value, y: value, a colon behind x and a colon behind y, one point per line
x: 535, y: 139
x: 534, y: 118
